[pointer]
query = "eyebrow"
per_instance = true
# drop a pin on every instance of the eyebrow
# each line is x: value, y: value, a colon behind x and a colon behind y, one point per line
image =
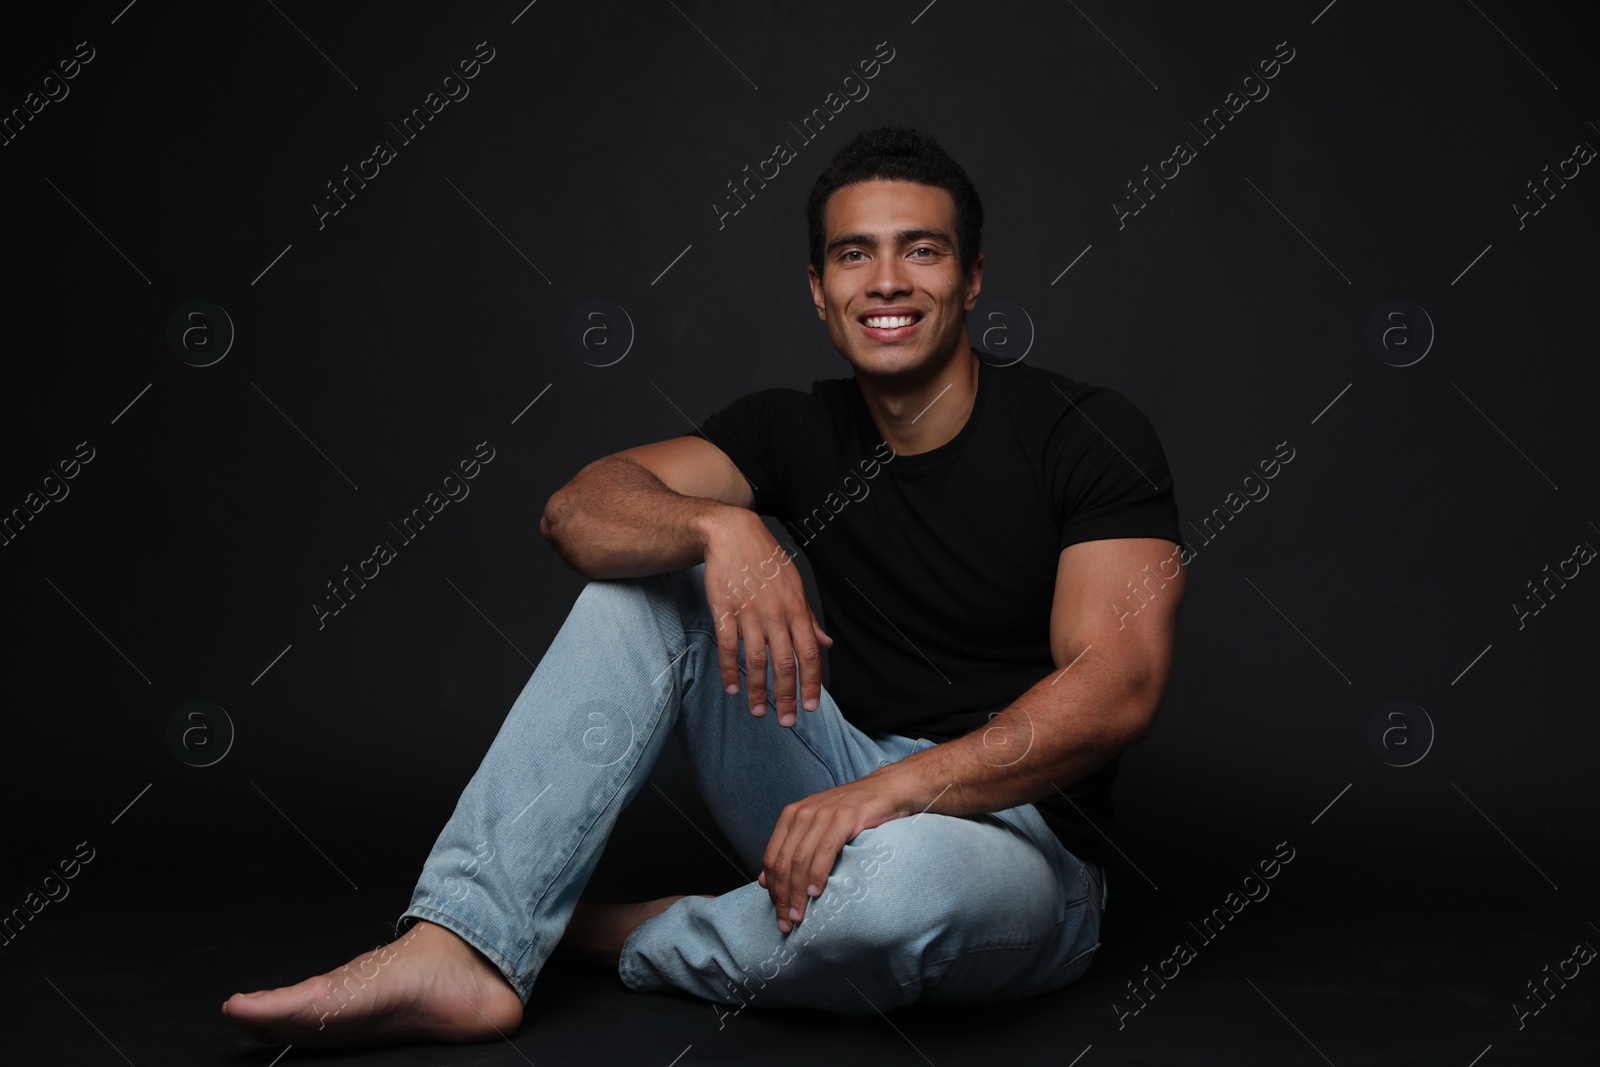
x: 906, y: 237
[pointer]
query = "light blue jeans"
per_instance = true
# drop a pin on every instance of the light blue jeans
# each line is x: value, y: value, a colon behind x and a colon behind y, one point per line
x: 975, y: 909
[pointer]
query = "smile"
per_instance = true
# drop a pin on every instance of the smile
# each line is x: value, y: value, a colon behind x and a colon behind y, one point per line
x: 890, y: 327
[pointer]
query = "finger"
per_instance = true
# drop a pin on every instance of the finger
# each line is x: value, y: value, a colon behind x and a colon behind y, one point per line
x: 783, y: 664
x: 822, y: 637
x: 728, y: 651
x: 809, y: 868
x: 755, y: 665
x: 770, y: 878
x: 775, y: 865
x: 808, y: 656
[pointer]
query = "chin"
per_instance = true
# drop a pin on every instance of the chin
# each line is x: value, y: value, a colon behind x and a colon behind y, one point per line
x: 888, y: 361
x: 885, y: 365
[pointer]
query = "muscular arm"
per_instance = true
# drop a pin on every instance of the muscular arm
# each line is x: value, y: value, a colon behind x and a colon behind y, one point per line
x: 1113, y: 653
x: 619, y: 518
x: 616, y: 519
x: 1112, y: 630
x: 670, y: 505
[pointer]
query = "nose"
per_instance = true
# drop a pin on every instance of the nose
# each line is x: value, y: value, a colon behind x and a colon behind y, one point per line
x: 889, y: 278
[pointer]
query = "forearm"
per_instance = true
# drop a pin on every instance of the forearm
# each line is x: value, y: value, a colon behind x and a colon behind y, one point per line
x: 616, y: 519
x: 1063, y: 728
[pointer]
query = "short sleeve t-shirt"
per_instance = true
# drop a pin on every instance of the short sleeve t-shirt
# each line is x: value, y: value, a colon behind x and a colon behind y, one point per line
x: 936, y: 571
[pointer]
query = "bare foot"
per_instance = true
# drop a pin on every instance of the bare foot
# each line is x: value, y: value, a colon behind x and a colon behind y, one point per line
x: 595, y: 935
x: 427, y: 985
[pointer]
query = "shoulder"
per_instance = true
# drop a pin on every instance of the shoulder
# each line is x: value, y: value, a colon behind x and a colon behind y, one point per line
x: 825, y: 394
x: 773, y: 399
x: 761, y: 411
x: 1058, y: 403
x: 781, y: 417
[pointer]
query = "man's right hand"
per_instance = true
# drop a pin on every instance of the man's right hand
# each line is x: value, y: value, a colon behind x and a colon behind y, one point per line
x: 670, y: 505
x: 757, y: 596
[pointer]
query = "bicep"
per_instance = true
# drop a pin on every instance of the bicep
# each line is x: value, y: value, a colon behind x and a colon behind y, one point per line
x: 1119, y: 596
x: 693, y: 466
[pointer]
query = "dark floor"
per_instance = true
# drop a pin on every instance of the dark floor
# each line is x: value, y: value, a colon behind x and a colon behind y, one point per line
x: 1311, y: 974
x: 1402, y: 929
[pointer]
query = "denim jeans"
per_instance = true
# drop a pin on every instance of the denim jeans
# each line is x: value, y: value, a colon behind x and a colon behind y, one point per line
x: 972, y: 909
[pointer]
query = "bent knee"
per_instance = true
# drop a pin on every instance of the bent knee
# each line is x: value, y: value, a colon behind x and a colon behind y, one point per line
x: 667, y: 598
x: 925, y: 885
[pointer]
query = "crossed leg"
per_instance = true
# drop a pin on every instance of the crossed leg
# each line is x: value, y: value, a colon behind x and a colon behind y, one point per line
x: 636, y: 661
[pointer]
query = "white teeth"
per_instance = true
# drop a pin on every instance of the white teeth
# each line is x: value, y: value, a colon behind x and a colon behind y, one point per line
x: 889, y: 322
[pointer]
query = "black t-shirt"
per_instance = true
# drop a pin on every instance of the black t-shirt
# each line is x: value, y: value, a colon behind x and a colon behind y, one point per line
x: 937, y: 571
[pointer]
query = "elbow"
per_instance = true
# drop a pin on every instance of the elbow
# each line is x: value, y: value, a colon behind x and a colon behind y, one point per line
x: 561, y: 511
x: 547, y: 524
x: 553, y: 523
x: 1138, y: 728
x: 1139, y: 715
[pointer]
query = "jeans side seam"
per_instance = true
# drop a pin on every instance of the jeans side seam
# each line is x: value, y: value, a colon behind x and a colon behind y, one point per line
x: 826, y: 766
x: 1035, y: 947
x: 743, y: 674
x: 593, y: 817
x: 472, y: 937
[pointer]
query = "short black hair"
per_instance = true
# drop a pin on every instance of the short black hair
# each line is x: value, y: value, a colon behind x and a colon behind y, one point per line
x: 898, y: 153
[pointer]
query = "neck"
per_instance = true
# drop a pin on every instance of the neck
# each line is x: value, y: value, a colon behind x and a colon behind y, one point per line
x: 920, y: 414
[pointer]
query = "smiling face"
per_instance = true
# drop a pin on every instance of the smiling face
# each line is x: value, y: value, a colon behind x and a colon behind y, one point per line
x: 891, y: 290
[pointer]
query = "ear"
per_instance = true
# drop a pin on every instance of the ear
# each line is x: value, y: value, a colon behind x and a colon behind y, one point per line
x: 974, y: 282
x: 816, y: 291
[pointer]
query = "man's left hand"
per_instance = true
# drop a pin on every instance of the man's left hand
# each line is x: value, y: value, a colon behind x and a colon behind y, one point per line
x: 810, y: 834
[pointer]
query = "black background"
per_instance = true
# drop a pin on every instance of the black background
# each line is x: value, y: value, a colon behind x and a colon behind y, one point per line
x: 374, y: 352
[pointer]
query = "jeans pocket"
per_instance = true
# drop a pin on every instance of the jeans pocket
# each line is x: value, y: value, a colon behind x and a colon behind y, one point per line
x: 1065, y: 974
x: 1079, y: 931
x: 981, y: 976
x: 1001, y: 975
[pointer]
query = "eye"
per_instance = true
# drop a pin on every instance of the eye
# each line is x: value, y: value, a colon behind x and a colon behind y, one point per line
x: 924, y: 248
x: 851, y: 252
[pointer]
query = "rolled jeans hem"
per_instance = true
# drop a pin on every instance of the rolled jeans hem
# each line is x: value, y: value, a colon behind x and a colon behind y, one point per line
x: 523, y: 987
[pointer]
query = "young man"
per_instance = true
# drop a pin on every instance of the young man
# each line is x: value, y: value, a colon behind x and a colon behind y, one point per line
x: 995, y: 552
